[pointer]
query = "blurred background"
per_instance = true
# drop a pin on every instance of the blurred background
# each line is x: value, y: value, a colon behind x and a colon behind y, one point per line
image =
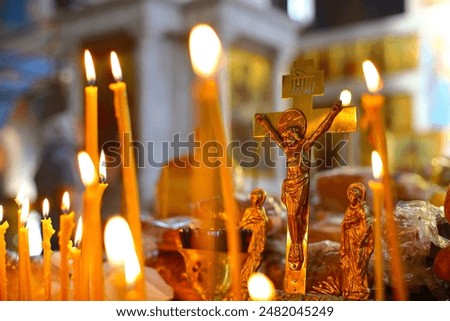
x: 42, y: 79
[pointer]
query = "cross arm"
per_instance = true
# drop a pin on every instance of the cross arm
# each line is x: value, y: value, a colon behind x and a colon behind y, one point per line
x: 325, y: 124
x: 265, y: 123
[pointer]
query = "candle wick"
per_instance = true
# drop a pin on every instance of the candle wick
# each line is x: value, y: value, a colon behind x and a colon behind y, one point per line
x: 102, y: 179
x: 91, y: 83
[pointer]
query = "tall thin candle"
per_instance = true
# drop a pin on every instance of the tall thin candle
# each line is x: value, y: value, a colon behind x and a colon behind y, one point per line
x: 91, y: 110
x: 377, y: 190
x: 373, y: 118
x: 3, y: 281
x: 65, y: 232
x: 24, y: 253
x: 91, y: 248
x: 130, y: 182
x: 75, y: 254
x: 205, y: 50
x: 47, y: 233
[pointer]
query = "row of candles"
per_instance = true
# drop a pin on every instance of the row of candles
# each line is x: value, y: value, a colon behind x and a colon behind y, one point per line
x: 119, y: 246
x: 87, y: 271
x: 85, y: 252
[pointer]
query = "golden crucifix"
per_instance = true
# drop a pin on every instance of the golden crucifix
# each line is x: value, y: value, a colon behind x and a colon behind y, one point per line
x: 290, y: 131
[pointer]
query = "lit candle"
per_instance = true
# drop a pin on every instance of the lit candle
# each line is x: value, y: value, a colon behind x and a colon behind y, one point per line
x: 205, y: 51
x: 91, y: 248
x: 65, y: 233
x: 377, y: 191
x: 97, y: 237
x: 24, y: 253
x: 47, y: 233
x: 76, y: 261
x: 346, y: 97
x: 121, y: 252
x: 373, y: 119
x: 260, y: 287
x: 91, y: 109
x: 130, y: 183
x: 3, y: 281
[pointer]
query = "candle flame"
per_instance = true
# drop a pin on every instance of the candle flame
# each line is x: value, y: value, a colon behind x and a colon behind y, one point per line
x: 78, y: 232
x: 205, y: 50
x: 20, y: 195
x: 102, y: 167
x: 87, y: 168
x: 346, y: 97
x: 120, y: 248
x: 132, y: 268
x: 25, y: 210
x: 373, y: 80
x: 45, y: 208
x: 65, y: 205
x: 89, y: 66
x: 115, y: 66
x: 260, y: 287
x: 1, y: 213
x: 377, y: 165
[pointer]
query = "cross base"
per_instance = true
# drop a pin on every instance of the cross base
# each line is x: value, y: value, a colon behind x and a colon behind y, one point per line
x: 295, y: 280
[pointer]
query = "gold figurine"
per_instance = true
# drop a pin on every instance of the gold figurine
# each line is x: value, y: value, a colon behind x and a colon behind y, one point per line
x: 254, y: 219
x: 357, y: 245
x: 289, y: 135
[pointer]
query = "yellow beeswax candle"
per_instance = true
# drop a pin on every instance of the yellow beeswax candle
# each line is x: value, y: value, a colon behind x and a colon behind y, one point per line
x: 130, y: 182
x: 205, y: 51
x: 91, y: 110
x: 75, y: 255
x: 24, y: 253
x: 373, y: 120
x: 3, y: 281
x: 377, y: 191
x: 91, y: 248
x: 47, y: 233
x: 65, y: 233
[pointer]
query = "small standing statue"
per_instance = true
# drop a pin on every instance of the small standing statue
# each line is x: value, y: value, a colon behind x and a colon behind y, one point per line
x: 289, y: 135
x: 254, y: 219
x: 357, y: 245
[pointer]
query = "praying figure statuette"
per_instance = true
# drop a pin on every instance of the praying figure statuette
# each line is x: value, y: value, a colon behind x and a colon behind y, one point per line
x: 254, y: 219
x: 357, y: 244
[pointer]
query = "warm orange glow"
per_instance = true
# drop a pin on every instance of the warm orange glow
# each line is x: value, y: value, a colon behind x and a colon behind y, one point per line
x: 346, y: 97
x: 65, y: 205
x: 373, y: 80
x: 78, y: 232
x: 87, y: 169
x: 260, y: 287
x: 205, y: 50
x: 25, y: 210
x: 120, y: 249
x: 45, y: 208
x: 377, y: 165
x: 115, y: 66
x: 89, y: 66
x: 20, y: 195
x: 102, y: 167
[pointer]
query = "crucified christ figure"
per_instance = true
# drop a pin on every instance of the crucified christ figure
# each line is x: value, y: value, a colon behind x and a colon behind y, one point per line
x: 289, y: 134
